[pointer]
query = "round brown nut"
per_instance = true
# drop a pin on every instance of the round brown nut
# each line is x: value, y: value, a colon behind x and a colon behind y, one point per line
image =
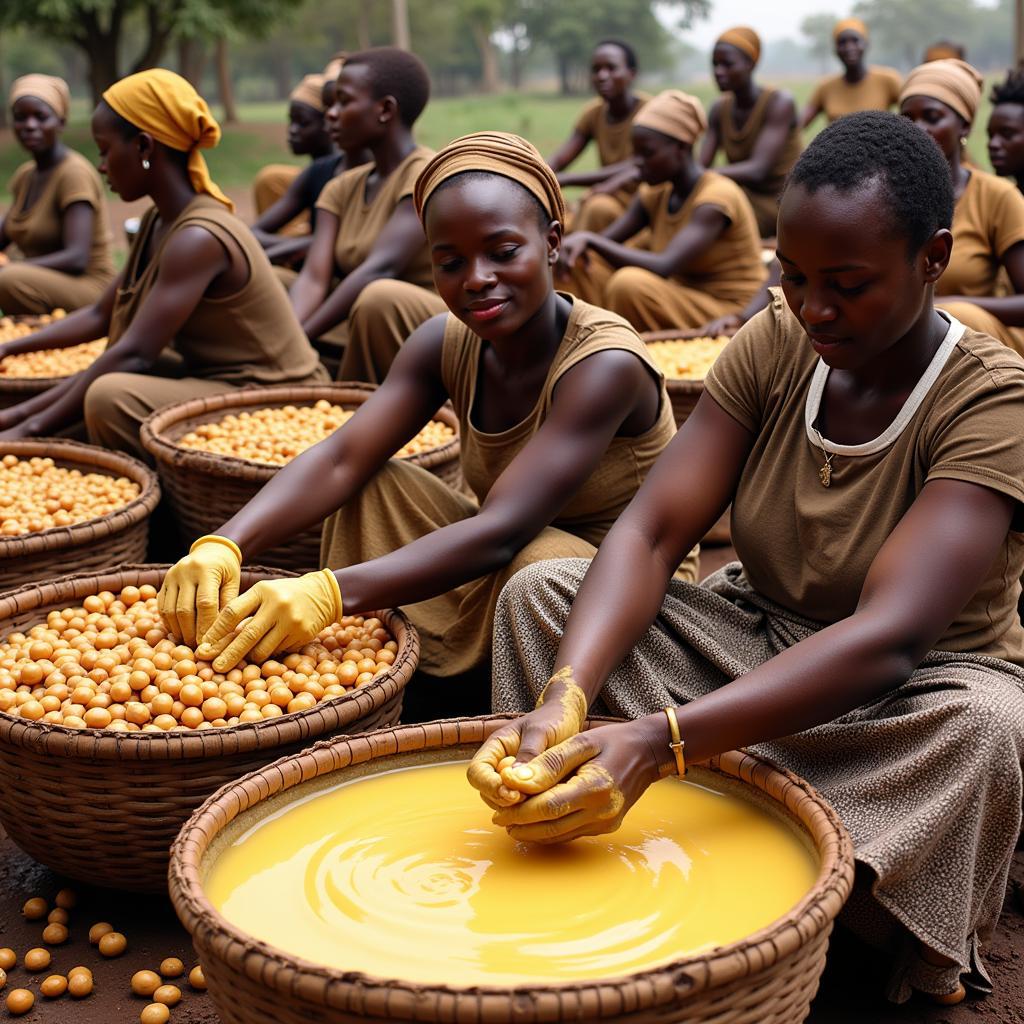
x: 197, y: 979
x: 98, y: 930
x: 37, y: 959
x: 58, y: 916
x: 66, y: 899
x: 8, y: 958
x: 55, y: 985
x: 113, y: 944
x: 3, y: 977
x: 155, y: 1013
x: 172, y: 967
x: 35, y: 909
x: 55, y: 934
x: 79, y: 984
x: 19, y: 1001
x: 145, y: 983
x: 169, y: 995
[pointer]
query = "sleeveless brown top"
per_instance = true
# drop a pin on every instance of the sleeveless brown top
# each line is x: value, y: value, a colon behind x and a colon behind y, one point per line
x: 251, y: 336
x: 593, y: 509
x: 739, y: 143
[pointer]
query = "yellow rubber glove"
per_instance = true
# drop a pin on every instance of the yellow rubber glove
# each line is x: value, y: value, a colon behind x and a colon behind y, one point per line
x: 283, y: 614
x: 196, y: 589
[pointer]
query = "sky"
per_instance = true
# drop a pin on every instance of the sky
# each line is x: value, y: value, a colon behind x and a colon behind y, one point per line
x: 771, y: 20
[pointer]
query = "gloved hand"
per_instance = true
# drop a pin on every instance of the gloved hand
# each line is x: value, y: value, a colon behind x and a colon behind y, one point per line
x: 196, y: 589
x: 284, y: 614
x: 560, y: 714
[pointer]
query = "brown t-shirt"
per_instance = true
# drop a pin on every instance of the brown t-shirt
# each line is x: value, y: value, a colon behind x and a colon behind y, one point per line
x: 39, y: 230
x: 808, y: 547
x: 739, y: 143
x: 731, y: 268
x: 360, y: 223
x: 249, y: 337
x: 879, y: 89
x: 988, y: 219
x: 614, y: 139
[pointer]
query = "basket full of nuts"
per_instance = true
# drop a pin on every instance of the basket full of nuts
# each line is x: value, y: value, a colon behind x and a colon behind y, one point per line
x: 214, y: 454
x: 69, y: 507
x: 685, y: 358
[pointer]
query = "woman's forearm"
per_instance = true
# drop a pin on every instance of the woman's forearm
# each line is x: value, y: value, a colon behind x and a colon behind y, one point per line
x: 336, y: 306
x: 67, y: 261
x: 619, y: 255
x: 594, y: 177
x: 306, y: 295
x: 1008, y: 309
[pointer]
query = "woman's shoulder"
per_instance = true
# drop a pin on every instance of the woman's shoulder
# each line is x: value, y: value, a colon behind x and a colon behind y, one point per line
x: 713, y: 187
x: 21, y: 175
x: 981, y: 363
x: 991, y: 186
x: 336, y: 193
x: 889, y: 74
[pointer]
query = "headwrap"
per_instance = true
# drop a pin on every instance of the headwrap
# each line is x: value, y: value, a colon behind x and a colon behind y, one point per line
x: 53, y: 91
x: 943, y: 51
x: 335, y: 64
x: 310, y: 91
x: 850, y: 25
x: 167, y: 107
x: 744, y: 39
x: 953, y: 82
x: 499, y: 153
x: 673, y: 113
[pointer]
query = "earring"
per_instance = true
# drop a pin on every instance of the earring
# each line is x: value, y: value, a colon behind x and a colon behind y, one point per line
x: 382, y: 120
x: 145, y: 164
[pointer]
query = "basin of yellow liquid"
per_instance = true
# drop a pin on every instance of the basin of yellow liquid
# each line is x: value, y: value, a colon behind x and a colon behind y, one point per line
x: 402, y: 874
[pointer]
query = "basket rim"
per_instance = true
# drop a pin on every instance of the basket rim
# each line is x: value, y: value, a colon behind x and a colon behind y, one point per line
x: 92, y: 458
x: 153, y: 432
x: 102, y: 744
x: 264, y: 962
x: 681, y: 385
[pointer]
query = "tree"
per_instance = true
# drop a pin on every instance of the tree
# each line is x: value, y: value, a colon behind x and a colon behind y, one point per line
x: 901, y: 29
x: 817, y: 29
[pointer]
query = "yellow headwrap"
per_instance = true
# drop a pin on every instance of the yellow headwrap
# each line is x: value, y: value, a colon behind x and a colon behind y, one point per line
x: 850, y: 25
x: 499, y: 153
x: 943, y: 51
x: 53, y: 91
x: 310, y: 91
x: 673, y: 113
x: 953, y: 82
x: 167, y: 107
x: 335, y: 64
x: 744, y: 39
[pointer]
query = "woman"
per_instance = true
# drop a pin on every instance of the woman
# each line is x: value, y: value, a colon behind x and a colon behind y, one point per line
x: 870, y: 641
x: 368, y: 269
x: 607, y: 122
x: 195, y: 311
x: 756, y: 127
x: 704, y: 255
x: 859, y: 87
x: 942, y: 97
x: 58, y: 217
x: 1006, y: 128
x: 560, y: 409
x: 274, y: 184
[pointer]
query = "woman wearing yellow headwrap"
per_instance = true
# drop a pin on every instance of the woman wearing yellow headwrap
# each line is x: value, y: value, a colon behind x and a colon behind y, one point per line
x: 704, y: 256
x: 859, y: 87
x: 756, y: 126
x: 196, y: 309
x: 561, y: 412
x: 943, y: 97
x: 57, y: 218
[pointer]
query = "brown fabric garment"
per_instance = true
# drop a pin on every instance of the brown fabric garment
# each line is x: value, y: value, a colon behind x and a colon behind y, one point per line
x: 879, y: 89
x: 614, y: 139
x: 250, y: 337
x: 823, y: 540
x: 269, y: 185
x: 39, y: 230
x: 739, y: 144
x: 26, y: 288
x: 360, y: 224
x: 983, y: 321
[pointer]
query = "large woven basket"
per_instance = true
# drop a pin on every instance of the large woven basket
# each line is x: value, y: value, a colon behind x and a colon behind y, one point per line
x: 206, y: 490
x: 104, y: 807
x: 14, y: 390
x: 119, y: 536
x: 769, y: 977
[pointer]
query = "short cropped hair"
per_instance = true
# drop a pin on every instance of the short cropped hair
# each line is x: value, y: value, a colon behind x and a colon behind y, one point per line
x: 627, y: 51
x: 875, y: 146
x: 1010, y: 91
x: 398, y: 73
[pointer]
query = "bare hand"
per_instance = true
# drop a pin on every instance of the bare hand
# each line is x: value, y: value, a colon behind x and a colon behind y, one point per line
x: 574, y: 248
x: 728, y: 324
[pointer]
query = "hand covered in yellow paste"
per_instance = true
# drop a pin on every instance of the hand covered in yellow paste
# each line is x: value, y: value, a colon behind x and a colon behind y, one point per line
x: 560, y: 713
x: 584, y: 786
x: 199, y: 586
x: 283, y: 614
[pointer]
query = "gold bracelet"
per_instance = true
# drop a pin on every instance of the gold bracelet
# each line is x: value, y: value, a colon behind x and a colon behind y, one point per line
x: 677, y: 746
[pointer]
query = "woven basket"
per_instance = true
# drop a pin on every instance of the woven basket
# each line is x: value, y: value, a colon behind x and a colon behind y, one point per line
x: 769, y: 977
x: 119, y: 536
x: 14, y: 390
x: 104, y: 807
x: 206, y: 490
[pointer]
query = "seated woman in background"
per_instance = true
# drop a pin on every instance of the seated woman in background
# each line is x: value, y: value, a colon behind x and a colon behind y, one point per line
x: 704, y: 256
x: 942, y: 97
x: 1006, y: 128
x: 755, y: 126
x: 561, y: 412
x: 58, y: 215
x: 307, y: 136
x: 607, y: 122
x: 859, y: 87
x: 870, y: 640
x: 367, y: 232
x: 196, y: 309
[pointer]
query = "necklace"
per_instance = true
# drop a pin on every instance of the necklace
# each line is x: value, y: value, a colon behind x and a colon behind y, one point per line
x: 825, y: 473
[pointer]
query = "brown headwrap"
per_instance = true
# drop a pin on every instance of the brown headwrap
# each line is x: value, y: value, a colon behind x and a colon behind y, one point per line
x: 943, y: 51
x: 673, y: 113
x: 744, y: 39
x: 953, y: 82
x: 310, y: 91
x: 499, y: 153
x: 850, y: 25
x: 53, y: 91
x: 334, y: 65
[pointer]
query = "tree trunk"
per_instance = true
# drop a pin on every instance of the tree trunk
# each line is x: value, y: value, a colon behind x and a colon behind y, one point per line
x: 191, y: 60
x: 400, y: 34
x: 103, y: 68
x: 564, y: 75
x: 363, y: 25
x: 227, y: 92
x: 160, y: 18
x: 491, y: 81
